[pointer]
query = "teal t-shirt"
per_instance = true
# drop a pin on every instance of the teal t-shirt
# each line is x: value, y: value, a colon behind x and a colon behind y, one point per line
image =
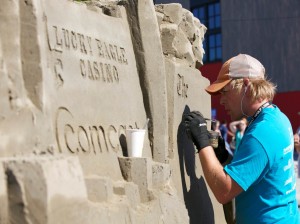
x: 263, y: 166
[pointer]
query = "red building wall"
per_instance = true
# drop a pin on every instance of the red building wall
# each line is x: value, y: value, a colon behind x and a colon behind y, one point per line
x: 288, y: 102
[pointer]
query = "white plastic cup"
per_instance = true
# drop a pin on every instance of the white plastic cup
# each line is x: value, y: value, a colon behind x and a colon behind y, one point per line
x: 135, y: 142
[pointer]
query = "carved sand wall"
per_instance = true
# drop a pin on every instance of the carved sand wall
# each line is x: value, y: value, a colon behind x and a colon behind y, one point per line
x: 74, y: 75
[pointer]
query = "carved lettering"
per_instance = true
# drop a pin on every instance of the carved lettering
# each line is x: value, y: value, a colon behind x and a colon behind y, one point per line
x: 111, y: 52
x: 113, y: 137
x: 77, y: 138
x: 58, y: 40
x: 182, y: 87
x: 118, y: 55
x: 62, y: 39
x: 66, y: 38
x: 100, y: 49
x: 83, y: 139
x: 70, y: 39
x: 57, y: 116
x: 108, y: 73
x: 101, y: 129
x: 102, y: 72
x: 90, y: 71
x: 115, y: 73
x: 58, y: 68
x: 106, y: 51
x: 93, y: 135
x: 67, y: 139
x: 82, y: 68
x: 81, y: 39
x: 74, y: 40
x: 95, y: 70
x: 89, y: 40
x: 123, y: 58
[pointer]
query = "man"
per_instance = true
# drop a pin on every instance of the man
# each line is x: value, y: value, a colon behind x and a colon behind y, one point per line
x: 261, y: 174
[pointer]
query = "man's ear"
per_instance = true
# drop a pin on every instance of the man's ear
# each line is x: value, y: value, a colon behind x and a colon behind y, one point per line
x: 246, y: 84
x: 246, y: 81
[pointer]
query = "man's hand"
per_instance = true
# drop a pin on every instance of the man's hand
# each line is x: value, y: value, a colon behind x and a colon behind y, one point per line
x: 196, y: 129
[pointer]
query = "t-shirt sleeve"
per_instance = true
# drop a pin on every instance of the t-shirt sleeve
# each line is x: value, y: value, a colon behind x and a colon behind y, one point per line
x: 249, y: 164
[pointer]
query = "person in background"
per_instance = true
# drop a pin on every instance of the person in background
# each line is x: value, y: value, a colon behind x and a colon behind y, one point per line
x: 238, y: 129
x: 225, y: 132
x: 297, y: 147
x: 260, y: 176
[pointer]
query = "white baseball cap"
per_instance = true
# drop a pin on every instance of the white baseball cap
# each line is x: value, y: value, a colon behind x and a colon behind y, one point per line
x: 240, y: 66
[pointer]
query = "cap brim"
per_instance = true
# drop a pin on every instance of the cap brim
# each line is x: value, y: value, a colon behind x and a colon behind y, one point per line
x: 215, y: 87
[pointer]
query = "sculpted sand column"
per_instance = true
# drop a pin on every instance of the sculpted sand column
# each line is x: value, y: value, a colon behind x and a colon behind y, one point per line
x: 151, y: 68
x: 182, y: 35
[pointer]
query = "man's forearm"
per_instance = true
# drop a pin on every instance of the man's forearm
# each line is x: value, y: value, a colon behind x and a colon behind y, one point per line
x: 221, y: 184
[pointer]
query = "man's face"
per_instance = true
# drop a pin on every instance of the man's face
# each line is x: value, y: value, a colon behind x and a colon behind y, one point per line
x: 231, y: 100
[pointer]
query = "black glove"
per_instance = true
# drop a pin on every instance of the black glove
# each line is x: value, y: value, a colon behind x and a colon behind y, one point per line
x: 196, y: 129
x: 221, y: 152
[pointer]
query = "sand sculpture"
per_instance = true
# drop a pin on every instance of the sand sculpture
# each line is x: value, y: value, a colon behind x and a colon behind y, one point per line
x: 74, y: 76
